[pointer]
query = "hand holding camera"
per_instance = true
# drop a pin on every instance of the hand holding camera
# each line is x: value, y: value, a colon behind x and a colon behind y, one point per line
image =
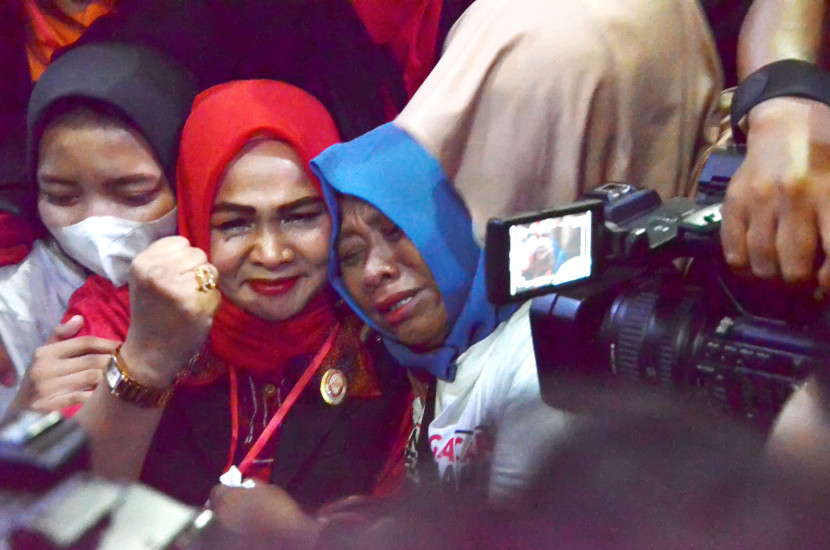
x: 776, y: 217
x: 636, y: 315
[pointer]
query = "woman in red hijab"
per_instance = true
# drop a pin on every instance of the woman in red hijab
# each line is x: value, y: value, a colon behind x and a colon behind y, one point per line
x: 237, y: 352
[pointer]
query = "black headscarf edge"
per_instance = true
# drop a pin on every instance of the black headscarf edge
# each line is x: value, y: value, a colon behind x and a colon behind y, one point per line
x: 152, y: 91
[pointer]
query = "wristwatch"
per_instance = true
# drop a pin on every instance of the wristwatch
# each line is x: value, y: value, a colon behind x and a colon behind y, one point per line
x: 788, y: 77
x: 130, y: 390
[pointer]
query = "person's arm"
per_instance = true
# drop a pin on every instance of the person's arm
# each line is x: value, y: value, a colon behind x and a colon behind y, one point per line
x: 777, y: 211
x: 170, y: 320
x: 776, y: 216
x: 780, y: 29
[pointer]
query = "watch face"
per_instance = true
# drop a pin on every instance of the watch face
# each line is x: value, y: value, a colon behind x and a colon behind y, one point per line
x: 123, y: 387
x: 113, y: 375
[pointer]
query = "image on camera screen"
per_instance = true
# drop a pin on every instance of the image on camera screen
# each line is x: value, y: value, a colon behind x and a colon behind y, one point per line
x: 550, y: 252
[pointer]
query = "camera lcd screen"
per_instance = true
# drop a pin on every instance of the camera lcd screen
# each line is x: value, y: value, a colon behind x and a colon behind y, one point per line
x: 533, y: 254
x: 553, y: 251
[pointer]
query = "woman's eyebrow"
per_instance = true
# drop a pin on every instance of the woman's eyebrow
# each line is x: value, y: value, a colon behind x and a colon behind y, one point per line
x: 222, y: 207
x: 363, y: 213
x: 299, y: 203
x: 57, y: 180
x: 375, y: 219
x: 139, y: 177
x: 348, y: 236
x: 350, y: 228
x: 251, y: 210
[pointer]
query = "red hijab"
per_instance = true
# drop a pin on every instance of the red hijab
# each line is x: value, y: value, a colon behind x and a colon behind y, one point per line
x: 223, y: 120
x: 409, y: 28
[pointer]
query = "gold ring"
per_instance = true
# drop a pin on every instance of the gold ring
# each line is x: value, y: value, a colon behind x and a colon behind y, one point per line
x: 205, y: 278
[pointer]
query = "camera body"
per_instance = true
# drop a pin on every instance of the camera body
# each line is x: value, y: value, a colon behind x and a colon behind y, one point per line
x: 49, y: 501
x: 660, y: 307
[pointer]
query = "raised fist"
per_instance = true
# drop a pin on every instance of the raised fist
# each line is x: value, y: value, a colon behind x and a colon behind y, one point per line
x: 173, y: 298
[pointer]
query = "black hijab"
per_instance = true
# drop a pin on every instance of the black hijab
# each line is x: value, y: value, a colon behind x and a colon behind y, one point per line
x: 152, y: 92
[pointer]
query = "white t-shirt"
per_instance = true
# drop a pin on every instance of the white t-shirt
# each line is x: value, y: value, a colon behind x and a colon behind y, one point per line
x: 33, y: 298
x: 490, y: 423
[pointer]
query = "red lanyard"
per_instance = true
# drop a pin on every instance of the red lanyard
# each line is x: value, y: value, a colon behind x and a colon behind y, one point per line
x: 276, y: 420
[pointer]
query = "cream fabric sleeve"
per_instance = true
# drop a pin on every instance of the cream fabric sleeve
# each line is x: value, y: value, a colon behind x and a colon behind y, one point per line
x: 535, y: 101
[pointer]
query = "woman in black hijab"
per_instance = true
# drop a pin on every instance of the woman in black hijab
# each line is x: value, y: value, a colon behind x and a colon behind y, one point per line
x: 102, y: 137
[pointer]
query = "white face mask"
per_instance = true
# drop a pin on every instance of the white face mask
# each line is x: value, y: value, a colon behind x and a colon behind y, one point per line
x: 107, y: 245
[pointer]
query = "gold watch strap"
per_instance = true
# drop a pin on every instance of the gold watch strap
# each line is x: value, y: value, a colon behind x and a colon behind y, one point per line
x: 132, y: 391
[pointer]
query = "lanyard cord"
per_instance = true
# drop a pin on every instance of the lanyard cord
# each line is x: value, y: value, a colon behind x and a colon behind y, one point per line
x: 276, y: 420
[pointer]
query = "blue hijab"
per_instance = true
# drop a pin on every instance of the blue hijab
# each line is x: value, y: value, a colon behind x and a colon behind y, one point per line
x: 391, y: 171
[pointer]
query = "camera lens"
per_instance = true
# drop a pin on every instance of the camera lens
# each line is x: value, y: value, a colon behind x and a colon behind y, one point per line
x: 650, y: 332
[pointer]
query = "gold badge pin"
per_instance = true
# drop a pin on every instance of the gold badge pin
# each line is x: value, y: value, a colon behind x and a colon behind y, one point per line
x: 333, y: 386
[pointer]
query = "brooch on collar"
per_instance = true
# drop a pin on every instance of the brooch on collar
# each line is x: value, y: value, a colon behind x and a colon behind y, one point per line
x: 333, y: 386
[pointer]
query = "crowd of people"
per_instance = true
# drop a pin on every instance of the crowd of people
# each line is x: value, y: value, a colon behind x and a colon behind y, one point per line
x: 248, y: 236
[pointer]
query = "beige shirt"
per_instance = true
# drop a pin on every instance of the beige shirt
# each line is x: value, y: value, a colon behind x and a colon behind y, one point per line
x: 535, y: 101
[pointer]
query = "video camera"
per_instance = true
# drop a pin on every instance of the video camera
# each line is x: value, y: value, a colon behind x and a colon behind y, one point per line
x: 48, y: 501
x: 627, y: 285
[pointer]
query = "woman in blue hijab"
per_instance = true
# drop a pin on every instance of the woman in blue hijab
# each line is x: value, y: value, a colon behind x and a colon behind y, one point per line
x: 407, y: 261
x: 525, y: 109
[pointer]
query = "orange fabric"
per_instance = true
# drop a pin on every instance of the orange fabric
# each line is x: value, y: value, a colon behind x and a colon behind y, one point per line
x: 409, y: 28
x: 48, y: 33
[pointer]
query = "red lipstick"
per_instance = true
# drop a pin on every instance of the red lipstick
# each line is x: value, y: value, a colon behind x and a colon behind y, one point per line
x: 273, y: 287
